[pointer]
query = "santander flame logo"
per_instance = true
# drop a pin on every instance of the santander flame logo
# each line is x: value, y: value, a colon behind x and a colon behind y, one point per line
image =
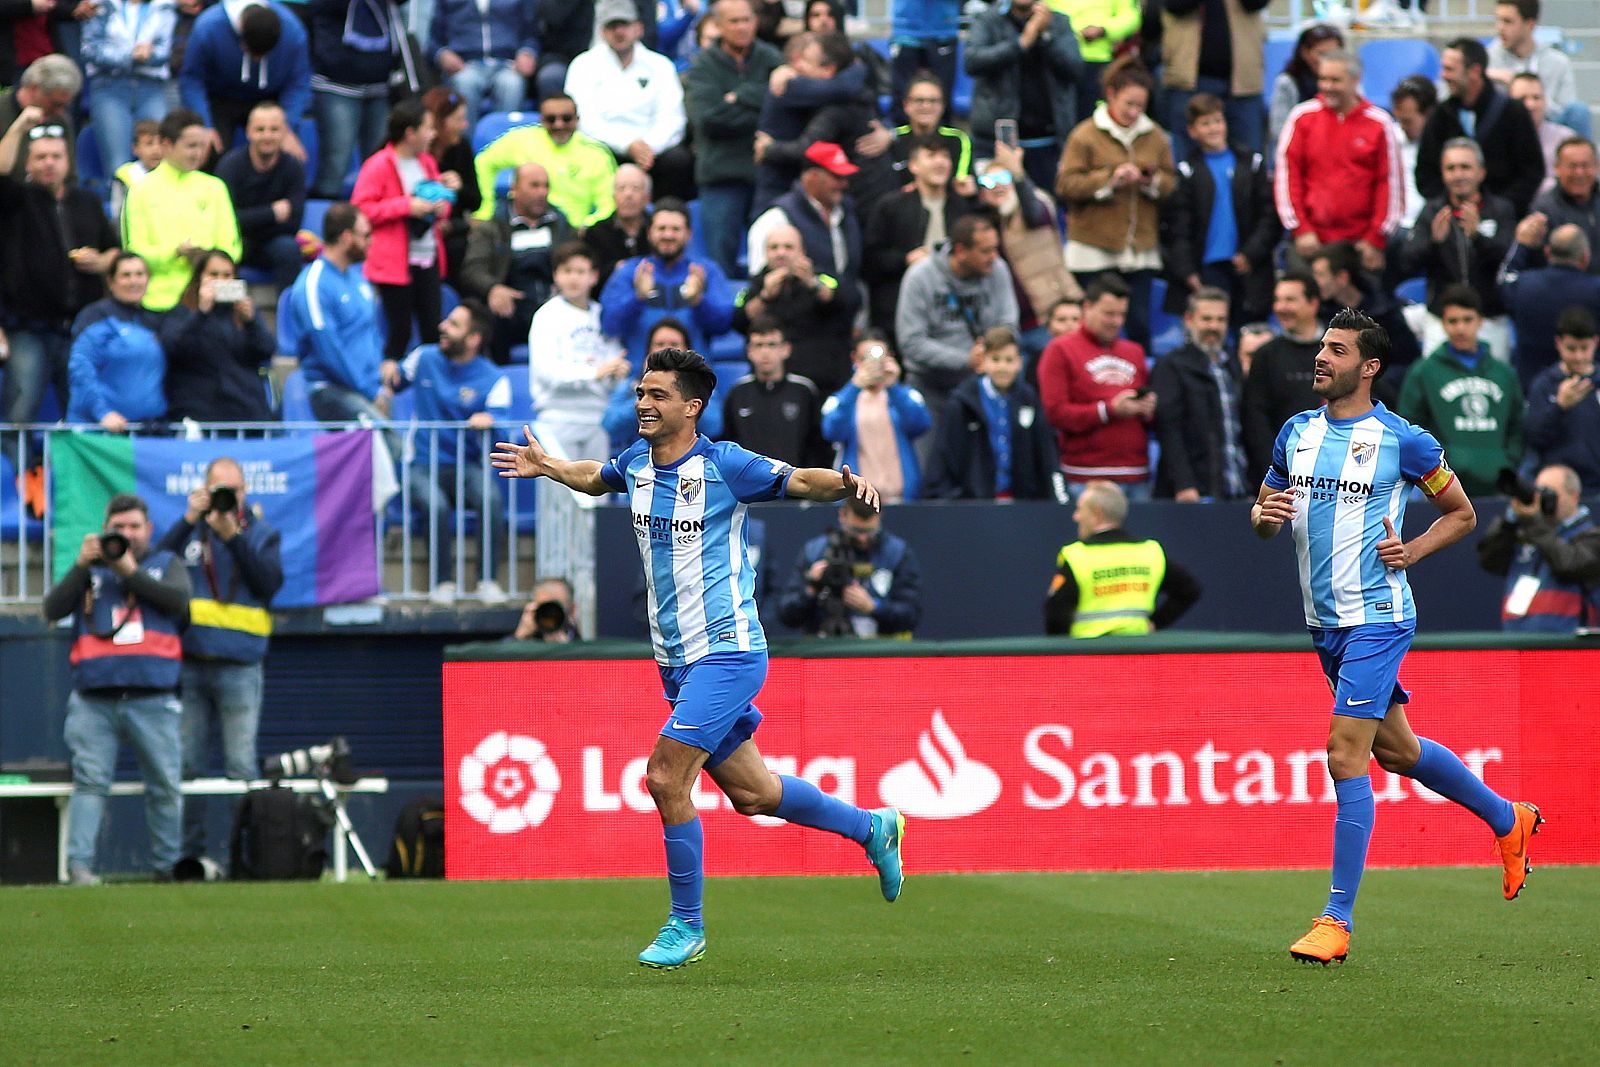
x: 944, y: 782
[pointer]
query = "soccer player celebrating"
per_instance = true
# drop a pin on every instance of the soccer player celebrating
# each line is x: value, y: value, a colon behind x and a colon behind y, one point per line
x: 1339, y: 478
x: 689, y: 500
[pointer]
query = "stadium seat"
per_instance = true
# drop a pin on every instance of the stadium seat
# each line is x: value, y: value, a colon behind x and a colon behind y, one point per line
x: 1412, y: 290
x: 1276, y: 55
x: 519, y: 354
x: 961, y: 92
x: 521, y: 395
x: 1166, y: 330
x: 91, y: 168
x: 306, y: 130
x: 697, y: 237
x: 296, y: 398
x: 493, y: 125
x: 1387, y: 61
x: 449, y: 299
x: 288, y: 338
x: 315, y: 211
x: 728, y: 348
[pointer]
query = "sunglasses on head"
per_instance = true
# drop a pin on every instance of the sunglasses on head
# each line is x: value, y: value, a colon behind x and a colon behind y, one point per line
x: 994, y: 179
x: 51, y: 130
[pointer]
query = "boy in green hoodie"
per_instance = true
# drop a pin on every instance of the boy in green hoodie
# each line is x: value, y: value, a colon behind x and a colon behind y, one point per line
x: 1470, y: 401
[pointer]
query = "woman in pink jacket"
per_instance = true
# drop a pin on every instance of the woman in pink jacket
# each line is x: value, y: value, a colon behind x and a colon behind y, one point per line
x: 401, y: 194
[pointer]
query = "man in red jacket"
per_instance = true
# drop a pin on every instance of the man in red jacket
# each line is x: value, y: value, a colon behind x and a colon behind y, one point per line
x: 1339, y: 175
x: 1093, y: 386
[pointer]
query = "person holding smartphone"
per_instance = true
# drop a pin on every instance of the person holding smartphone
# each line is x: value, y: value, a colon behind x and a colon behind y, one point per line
x: 216, y: 347
x: 1024, y: 63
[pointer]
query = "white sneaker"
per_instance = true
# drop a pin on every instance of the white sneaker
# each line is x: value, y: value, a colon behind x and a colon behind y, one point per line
x: 489, y: 592
x: 82, y: 876
x: 444, y: 594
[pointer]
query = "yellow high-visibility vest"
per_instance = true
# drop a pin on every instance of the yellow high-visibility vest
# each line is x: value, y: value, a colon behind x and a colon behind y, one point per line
x: 1117, y: 585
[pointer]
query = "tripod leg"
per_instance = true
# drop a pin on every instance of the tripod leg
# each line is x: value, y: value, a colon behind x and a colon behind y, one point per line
x: 347, y: 832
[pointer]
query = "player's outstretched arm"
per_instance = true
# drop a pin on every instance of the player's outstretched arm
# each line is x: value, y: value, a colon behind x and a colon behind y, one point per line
x: 1273, y: 508
x: 1456, y: 520
x: 822, y: 484
x: 532, y: 461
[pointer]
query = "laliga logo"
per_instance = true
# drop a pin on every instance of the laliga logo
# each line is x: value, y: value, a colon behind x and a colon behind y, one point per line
x: 508, y: 783
x: 958, y: 786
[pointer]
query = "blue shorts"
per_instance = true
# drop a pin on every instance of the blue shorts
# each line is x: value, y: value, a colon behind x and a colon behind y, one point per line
x: 1363, y: 666
x: 711, y: 701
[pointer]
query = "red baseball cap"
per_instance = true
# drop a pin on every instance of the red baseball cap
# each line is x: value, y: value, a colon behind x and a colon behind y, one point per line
x: 831, y: 158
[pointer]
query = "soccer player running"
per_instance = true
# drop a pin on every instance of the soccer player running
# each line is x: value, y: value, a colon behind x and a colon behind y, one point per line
x: 689, y: 497
x: 1339, y: 478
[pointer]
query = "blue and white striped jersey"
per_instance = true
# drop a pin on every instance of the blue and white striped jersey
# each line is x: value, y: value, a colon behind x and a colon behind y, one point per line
x: 1349, y: 474
x: 689, y: 519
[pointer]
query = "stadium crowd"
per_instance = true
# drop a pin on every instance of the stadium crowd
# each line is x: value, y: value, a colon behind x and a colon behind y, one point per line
x: 1115, y: 270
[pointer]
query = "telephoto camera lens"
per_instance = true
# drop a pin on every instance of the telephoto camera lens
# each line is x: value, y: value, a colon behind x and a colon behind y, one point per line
x: 113, y: 545
x: 224, y: 498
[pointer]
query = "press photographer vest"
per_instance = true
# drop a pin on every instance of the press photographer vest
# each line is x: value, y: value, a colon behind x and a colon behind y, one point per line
x: 227, y: 621
x: 121, y: 642
x: 1117, y: 585
x: 1536, y: 601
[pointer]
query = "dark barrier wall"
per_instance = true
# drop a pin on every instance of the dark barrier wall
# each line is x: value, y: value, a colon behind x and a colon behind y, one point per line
x: 985, y: 568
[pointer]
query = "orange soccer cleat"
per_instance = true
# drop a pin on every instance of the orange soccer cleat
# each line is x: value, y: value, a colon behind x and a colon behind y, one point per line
x: 1513, y: 848
x: 1327, y: 942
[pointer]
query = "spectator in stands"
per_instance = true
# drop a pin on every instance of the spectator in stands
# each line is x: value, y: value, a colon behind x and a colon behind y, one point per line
x: 1572, y: 200
x: 454, y: 382
x: 126, y: 617
x: 1469, y: 400
x: 1514, y: 52
x: 1198, y: 392
x: 486, y: 49
x: 267, y: 187
x: 1253, y: 336
x: 1030, y: 243
x: 1412, y: 101
x: 1537, y: 296
x: 1563, y: 413
x: 178, y: 210
x: 880, y: 597
x: 1297, y: 82
x: 924, y: 107
x: 771, y: 411
x: 819, y: 72
x: 1527, y: 90
x: 584, y: 168
x: 399, y: 192
x: 355, y: 45
x: 55, y: 246
x: 44, y: 97
x: 28, y: 32
x: 1151, y: 592
x: 1278, y: 385
x: 621, y: 420
x: 1066, y: 316
x: 994, y: 443
x: 1220, y: 227
x: 1025, y: 67
x: 452, y: 150
x: 239, y: 55
x: 235, y: 565
x: 1462, y: 237
x: 1094, y: 387
x: 815, y: 318
x: 1116, y: 169
x: 668, y: 281
x: 622, y: 234
x: 573, y: 367
x: 332, y: 325
x: 550, y: 615
x: 567, y: 28
x: 724, y: 90
x: 1550, y: 558
x: 923, y: 35
x: 1514, y: 161
x: 117, y: 365
x: 630, y: 99
x: 675, y: 36
x: 1342, y: 283
x: 148, y: 152
x: 1338, y: 172
x: 509, y: 264
x: 1101, y: 27
x: 875, y: 419
x: 188, y: 11
x: 1214, y: 46
x: 125, y: 50
x: 217, y: 348
x: 906, y: 226
x: 947, y: 301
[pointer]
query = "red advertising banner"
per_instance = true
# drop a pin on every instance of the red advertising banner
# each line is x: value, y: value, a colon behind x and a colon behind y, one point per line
x: 1166, y: 761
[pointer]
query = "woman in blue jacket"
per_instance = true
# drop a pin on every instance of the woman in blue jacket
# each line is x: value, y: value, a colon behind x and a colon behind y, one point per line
x: 217, y: 348
x: 117, y: 363
x: 874, y: 419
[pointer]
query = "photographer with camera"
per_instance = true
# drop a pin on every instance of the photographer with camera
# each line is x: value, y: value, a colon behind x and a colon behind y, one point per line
x: 551, y: 615
x: 128, y: 603
x: 235, y: 569
x: 858, y: 580
x: 1548, y: 547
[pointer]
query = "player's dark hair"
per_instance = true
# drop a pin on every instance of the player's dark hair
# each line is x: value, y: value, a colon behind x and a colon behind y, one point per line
x: 696, y: 379
x: 1305, y: 280
x: 1576, y: 322
x: 1473, y: 54
x: 1372, y: 341
x: 1461, y: 296
x: 1108, y: 284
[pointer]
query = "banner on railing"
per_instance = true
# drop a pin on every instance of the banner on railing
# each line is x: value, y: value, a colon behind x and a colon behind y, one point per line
x: 1162, y: 761
x: 317, y: 490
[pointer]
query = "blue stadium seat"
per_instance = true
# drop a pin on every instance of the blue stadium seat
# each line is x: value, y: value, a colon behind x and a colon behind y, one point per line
x: 521, y: 395
x: 1413, y: 290
x: 1387, y: 61
x: 1166, y: 329
x: 728, y: 348
x: 491, y: 126
x: 449, y: 299
x: 91, y: 168
x: 288, y: 337
x: 961, y: 92
x: 1276, y: 55
x: 403, y: 408
x: 519, y: 354
x: 315, y: 211
x: 296, y: 405
x: 306, y: 130
x: 697, y: 237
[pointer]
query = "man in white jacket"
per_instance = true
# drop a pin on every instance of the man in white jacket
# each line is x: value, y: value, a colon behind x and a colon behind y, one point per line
x: 572, y: 365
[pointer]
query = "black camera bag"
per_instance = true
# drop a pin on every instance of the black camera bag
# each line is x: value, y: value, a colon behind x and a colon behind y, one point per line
x: 279, y: 835
x: 417, y: 850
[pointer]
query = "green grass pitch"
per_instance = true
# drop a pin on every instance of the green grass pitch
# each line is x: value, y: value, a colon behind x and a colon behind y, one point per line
x: 1082, y: 968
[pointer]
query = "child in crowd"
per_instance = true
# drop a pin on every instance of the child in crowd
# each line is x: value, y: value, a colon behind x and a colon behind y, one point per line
x: 994, y: 442
x: 148, y: 152
x: 874, y: 419
x: 573, y: 366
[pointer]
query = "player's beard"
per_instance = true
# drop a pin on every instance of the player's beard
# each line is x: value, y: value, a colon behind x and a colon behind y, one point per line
x: 1339, y: 386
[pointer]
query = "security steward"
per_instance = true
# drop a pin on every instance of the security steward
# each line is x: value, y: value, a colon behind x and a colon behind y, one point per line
x: 1108, y: 583
x: 1548, y: 547
x: 128, y: 605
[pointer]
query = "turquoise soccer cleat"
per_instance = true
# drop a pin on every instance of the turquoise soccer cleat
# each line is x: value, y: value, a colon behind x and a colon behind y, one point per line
x: 883, y: 849
x: 677, y: 945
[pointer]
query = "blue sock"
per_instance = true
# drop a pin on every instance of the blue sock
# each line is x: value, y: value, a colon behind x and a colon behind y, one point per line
x: 1352, y: 830
x: 686, y: 869
x: 805, y: 805
x: 1443, y: 772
